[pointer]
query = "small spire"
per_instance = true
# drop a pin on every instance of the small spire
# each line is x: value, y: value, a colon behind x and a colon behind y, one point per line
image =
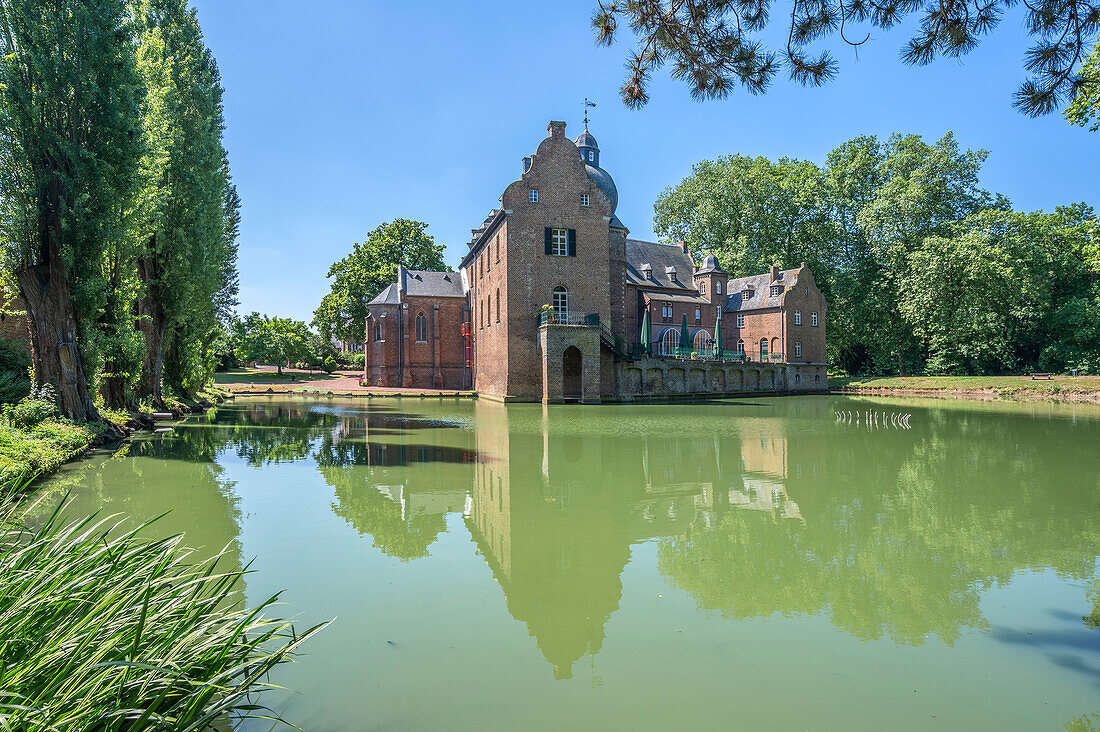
x: 587, y: 104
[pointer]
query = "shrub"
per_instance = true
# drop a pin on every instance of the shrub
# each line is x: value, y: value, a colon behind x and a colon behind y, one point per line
x: 356, y: 360
x: 103, y: 630
x: 329, y: 365
x: 15, y: 379
x: 36, y: 408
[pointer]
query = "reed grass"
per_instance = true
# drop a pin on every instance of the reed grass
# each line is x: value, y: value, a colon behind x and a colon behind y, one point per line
x: 101, y: 629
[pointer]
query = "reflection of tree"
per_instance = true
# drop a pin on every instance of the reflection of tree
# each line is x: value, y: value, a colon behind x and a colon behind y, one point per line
x: 901, y: 540
x: 364, y: 507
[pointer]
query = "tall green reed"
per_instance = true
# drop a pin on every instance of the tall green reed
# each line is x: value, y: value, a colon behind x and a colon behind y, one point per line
x: 101, y: 629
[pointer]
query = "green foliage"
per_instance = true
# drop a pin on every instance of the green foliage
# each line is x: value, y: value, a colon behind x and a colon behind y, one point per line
x: 37, y: 407
x: 368, y: 269
x: 923, y: 269
x: 715, y: 45
x: 103, y: 630
x: 15, y: 365
x: 26, y: 454
x: 1084, y: 110
x: 329, y: 365
x: 272, y: 340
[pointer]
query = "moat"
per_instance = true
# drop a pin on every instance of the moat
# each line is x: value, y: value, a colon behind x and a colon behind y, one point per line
x: 739, y: 564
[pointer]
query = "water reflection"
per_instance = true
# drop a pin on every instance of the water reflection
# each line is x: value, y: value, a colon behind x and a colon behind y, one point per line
x: 755, y: 510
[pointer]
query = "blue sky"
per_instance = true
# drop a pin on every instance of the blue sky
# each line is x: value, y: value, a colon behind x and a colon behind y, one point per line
x: 343, y: 114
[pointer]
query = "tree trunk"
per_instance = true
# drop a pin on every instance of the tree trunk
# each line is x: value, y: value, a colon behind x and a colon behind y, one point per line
x: 152, y: 324
x: 44, y: 286
x: 113, y: 390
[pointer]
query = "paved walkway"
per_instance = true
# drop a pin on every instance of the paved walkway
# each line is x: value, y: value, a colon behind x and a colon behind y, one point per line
x: 341, y: 383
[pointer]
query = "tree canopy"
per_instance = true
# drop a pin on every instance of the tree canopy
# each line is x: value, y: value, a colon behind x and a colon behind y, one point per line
x: 368, y: 269
x: 923, y: 269
x: 714, y: 45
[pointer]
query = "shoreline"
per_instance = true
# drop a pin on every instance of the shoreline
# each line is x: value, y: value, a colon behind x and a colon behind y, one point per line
x: 986, y: 394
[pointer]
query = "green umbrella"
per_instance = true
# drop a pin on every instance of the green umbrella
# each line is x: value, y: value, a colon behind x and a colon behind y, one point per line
x: 718, y: 335
x: 645, y: 342
x: 685, y: 339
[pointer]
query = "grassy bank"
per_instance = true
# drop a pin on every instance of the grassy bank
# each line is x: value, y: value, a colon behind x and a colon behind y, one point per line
x: 103, y: 630
x: 1077, y: 388
x: 26, y: 453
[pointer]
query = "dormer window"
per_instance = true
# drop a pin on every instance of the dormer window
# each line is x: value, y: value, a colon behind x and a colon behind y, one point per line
x: 747, y: 294
x: 670, y: 272
x: 584, y: 199
x: 533, y: 196
x: 777, y: 290
x: 591, y: 155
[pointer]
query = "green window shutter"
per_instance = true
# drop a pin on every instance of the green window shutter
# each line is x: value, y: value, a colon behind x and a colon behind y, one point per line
x: 572, y: 242
x: 547, y: 234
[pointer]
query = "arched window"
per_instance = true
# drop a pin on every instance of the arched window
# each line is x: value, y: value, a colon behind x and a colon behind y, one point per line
x: 561, y: 302
x: 489, y: 309
x: 718, y: 288
x: 763, y: 349
x: 670, y: 340
x: 421, y: 327
x: 740, y: 346
x: 703, y: 342
x: 798, y: 378
x: 378, y: 330
x: 498, y: 304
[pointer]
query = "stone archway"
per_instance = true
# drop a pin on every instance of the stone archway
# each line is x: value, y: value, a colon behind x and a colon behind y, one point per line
x: 571, y: 370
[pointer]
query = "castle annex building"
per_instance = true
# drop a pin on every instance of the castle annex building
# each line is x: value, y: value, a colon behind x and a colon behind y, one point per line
x: 554, y: 302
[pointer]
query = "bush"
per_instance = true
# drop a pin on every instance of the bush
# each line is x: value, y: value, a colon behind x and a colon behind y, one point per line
x: 329, y: 365
x: 103, y: 630
x: 39, y: 406
x: 356, y: 360
x: 15, y: 366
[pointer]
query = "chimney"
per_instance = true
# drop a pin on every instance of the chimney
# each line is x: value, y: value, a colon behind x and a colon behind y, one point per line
x: 802, y: 266
x: 683, y: 245
x: 401, y: 279
x: 556, y: 129
x: 775, y: 273
x: 526, y: 164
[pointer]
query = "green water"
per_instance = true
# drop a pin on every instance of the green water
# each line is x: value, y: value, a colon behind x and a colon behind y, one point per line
x: 746, y: 564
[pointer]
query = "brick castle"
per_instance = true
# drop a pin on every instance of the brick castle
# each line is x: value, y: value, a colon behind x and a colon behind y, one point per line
x: 554, y: 302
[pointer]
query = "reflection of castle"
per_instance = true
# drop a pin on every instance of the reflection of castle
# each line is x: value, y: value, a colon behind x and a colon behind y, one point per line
x: 555, y: 512
x: 553, y: 503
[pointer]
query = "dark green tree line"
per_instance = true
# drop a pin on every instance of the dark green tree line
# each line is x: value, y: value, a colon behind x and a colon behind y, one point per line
x: 117, y: 216
x: 923, y: 269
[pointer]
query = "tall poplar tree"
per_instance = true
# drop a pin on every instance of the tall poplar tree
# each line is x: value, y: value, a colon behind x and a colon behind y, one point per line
x: 191, y: 212
x: 69, y: 145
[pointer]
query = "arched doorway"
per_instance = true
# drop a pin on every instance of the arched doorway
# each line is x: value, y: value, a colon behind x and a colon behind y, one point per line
x: 703, y: 343
x: 571, y: 373
x: 670, y: 341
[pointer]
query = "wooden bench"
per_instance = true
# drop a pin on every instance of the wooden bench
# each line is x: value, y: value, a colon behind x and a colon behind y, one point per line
x: 1042, y: 376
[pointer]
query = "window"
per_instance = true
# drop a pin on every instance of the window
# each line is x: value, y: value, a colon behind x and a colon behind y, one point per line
x: 670, y: 341
x: 798, y: 378
x: 480, y: 266
x: 584, y: 199
x: 488, y: 308
x: 777, y: 290
x: 533, y: 196
x: 747, y: 294
x: 740, y: 347
x: 698, y: 315
x: 798, y: 349
x: 703, y: 342
x: 813, y: 319
x: 763, y: 349
x: 703, y: 287
x: 666, y: 311
x: 498, y: 304
x: 421, y: 328
x: 496, y: 242
x: 378, y: 330
x: 718, y: 288
x: 561, y: 302
x: 648, y: 273
x: 740, y: 320
x: 671, y: 272
x: 559, y: 242
x: 798, y: 317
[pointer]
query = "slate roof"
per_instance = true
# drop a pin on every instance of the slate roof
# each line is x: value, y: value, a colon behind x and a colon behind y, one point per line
x: 761, y: 286
x: 690, y: 297
x: 422, y: 283
x: 659, y: 257
x: 388, y: 296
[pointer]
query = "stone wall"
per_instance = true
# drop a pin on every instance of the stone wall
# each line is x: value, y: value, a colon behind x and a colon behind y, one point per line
x: 663, y: 378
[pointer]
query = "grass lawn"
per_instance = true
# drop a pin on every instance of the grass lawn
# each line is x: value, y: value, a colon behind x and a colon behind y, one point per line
x: 1002, y: 385
x: 263, y: 376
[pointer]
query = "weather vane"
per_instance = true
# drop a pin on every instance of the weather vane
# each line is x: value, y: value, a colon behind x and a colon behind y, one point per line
x: 587, y: 104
